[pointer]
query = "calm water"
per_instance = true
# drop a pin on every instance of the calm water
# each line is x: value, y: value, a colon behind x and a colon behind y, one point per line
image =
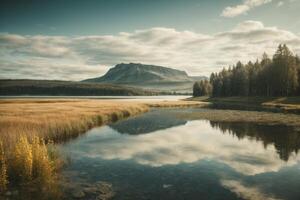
x: 160, y: 156
x: 119, y: 98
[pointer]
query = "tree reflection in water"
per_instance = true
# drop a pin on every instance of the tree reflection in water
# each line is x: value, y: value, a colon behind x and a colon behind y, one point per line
x: 285, y: 139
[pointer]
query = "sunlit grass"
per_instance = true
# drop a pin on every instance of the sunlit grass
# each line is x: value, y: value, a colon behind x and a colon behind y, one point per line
x: 282, y: 104
x: 256, y: 117
x: 28, y: 167
x: 3, y: 169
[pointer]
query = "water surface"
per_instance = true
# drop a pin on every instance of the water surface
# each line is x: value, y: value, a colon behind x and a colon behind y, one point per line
x: 161, y: 156
x: 131, y: 98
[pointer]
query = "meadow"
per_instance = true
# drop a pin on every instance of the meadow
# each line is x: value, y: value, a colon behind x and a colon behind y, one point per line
x: 278, y: 104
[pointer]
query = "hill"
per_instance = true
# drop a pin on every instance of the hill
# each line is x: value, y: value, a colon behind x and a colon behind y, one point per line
x: 148, y: 77
x: 61, y: 88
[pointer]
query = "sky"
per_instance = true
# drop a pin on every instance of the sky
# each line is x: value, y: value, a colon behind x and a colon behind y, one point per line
x: 75, y: 40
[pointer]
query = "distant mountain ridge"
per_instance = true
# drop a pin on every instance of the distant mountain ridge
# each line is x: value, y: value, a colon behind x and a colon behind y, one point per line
x: 67, y: 88
x: 147, y: 76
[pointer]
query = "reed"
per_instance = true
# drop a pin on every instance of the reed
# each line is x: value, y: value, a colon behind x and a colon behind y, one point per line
x: 3, y: 169
x: 59, y: 120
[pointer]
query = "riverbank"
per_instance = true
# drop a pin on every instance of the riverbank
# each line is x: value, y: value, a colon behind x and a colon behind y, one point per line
x: 28, y: 128
x: 60, y: 119
x: 277, y: 104
x: 242, y: 116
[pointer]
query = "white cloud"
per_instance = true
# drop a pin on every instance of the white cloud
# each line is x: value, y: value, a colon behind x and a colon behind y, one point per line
x: 245, y: 192
x: 196, y: 53
x: 233, y: 11
x: 190, y: 143
x: 280, y: 3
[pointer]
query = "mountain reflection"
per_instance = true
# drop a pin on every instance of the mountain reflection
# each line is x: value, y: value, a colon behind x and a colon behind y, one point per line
x: 147, y: 123
x: 285, y: 139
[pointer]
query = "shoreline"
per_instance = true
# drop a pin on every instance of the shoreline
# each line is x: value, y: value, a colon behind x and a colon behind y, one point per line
x: 289, y: 105
x: 62, y: 118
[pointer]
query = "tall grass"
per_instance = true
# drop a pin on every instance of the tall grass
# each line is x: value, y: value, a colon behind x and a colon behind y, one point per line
x: 28, y: 168
x: 3, y: 169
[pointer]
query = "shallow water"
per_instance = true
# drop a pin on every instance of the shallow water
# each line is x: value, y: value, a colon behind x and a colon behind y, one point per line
x: 161, y: 156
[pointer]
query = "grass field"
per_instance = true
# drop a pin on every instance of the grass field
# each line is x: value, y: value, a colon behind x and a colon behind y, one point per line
x: 265, y: 118
x: 281, y: 104
x: 28, y: 127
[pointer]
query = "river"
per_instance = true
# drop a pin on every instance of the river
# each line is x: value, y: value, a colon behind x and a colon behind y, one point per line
x: 159, y: 155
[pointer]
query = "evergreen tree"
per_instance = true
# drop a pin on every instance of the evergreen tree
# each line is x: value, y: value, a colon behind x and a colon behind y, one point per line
x: 202, y: 88
x: 277, y: 77
x: 285, y: 75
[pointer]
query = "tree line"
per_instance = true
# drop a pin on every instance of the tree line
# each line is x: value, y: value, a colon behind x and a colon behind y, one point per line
x: 68, y: 88
x: 276, y: 76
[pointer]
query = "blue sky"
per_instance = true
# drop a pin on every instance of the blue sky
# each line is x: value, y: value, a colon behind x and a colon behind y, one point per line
x: 77, y: 17
x: 75, y: 39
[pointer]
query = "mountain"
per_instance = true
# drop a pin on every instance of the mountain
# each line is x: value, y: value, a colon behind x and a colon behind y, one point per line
x: 148, y: 77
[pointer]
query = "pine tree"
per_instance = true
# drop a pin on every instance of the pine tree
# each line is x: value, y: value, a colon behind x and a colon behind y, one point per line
x: 276, y: 77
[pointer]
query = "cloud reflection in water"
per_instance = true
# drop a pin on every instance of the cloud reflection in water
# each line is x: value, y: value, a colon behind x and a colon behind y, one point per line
x: 192, y: 142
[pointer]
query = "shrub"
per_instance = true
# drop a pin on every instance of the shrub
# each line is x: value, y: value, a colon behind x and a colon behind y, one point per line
x: 42, y: 166
x: 30, y: 166
x: 22, y: 161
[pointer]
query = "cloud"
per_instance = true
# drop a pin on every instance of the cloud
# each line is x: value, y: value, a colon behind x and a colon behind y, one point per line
x: 196, y: 53
x: 280, y: 3
x: 183, y: 144
x: 245, y: 192
x: 41, y: 68
x: 233, y: 11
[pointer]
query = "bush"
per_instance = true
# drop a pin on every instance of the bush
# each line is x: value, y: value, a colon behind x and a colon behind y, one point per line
x: 22, y: 161
x: 30, y: 166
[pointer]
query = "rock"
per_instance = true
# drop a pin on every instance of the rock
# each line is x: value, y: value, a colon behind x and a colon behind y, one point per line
x: 104, y: 187
x: 106, y: 191
x: 78, y: 194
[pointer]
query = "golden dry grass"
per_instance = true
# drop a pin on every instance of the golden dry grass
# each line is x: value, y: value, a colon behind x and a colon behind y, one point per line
x: 177, y: 104
x: 282, y: 104
x: 246, y: 116
x: 59, y: 119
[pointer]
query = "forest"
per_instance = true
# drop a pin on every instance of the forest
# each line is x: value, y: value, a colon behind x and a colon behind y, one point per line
x: 67, y: 88
x: 276, y: 76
